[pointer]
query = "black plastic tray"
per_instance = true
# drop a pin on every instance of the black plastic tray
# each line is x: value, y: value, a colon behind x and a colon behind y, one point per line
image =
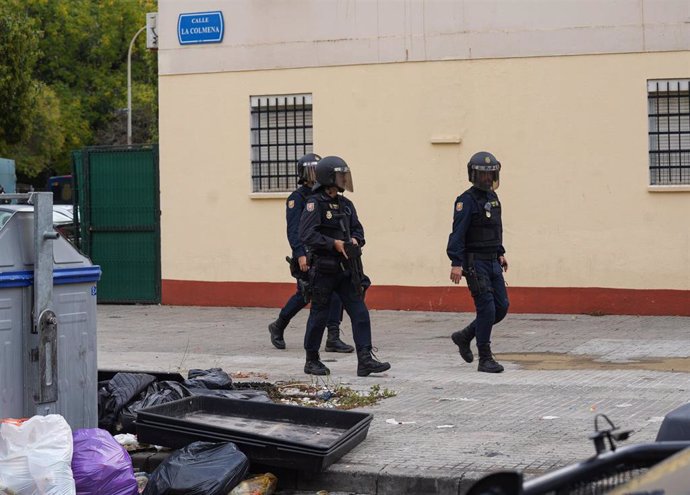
x: 230, y: 436
x: 296, y: 437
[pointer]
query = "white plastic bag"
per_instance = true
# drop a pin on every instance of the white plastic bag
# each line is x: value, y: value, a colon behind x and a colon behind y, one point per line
x: 36, y: 456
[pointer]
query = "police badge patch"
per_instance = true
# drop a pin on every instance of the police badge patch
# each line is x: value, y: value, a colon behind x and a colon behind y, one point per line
x: 291, y: 203
x: 458, y: 206
x: 329, y: 215
x: 310, y: 206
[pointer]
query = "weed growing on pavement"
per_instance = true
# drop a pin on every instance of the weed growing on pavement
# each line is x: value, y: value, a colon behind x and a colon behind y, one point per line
x: 349, y: 398
x: 323, y: 392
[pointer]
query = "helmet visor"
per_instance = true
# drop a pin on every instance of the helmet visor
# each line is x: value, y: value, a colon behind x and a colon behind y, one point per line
x: 309, y: 173
x: 487, y: 180
x: 343, y: 179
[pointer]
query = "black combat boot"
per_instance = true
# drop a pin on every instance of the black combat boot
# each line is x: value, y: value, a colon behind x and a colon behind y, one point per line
x: 333, y: 342
x: 276, y: 329
x: 487, y: 363
x: 462, y: 339
x: 314, y: 366
x: 367, y: 362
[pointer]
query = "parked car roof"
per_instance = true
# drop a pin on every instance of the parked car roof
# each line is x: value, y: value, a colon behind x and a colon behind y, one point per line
x: 62, y: 214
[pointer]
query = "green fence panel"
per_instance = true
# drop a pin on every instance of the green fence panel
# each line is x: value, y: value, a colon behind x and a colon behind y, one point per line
x: 127, y: 260
x: 119, y: 202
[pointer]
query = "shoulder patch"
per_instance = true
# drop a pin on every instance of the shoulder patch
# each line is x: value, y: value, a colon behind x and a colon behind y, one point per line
x: 291, y: 203
x: 310, y: 206
x: 458, y: 206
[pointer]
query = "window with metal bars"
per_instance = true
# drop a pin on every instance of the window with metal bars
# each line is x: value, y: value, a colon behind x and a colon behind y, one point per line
x: 281, y: 133
x: 669, y: 132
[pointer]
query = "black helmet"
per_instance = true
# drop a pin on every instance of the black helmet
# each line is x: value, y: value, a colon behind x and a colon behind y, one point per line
x: 484, y: 162
x: 305, y: 168
x: 333, y: 171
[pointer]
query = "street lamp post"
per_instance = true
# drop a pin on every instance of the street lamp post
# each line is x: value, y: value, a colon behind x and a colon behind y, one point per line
x: 129, y: 87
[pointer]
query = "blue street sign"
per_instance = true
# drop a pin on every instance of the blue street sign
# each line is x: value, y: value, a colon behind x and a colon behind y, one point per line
x: 200, y: 27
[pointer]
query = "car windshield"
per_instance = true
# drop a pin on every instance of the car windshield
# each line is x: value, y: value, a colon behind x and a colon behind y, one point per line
x: 4, y: 217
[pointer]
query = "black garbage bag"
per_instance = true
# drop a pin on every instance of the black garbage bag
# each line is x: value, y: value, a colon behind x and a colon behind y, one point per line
x: 201, y: 468
x: 157, y: 393
x: 213, y: 379
x: 676, y: 425
x: 116, y: 394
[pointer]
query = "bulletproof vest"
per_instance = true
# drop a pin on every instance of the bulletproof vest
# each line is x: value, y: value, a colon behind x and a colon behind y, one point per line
x: 486, y: 231
x: 330, y: 210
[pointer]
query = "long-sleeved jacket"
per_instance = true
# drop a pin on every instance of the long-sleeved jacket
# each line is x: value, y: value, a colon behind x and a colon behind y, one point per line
x: 293, y: 212
x: 321, y: 221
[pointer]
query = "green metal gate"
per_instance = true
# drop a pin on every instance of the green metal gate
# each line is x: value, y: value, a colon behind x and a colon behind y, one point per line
x: 117, y: 210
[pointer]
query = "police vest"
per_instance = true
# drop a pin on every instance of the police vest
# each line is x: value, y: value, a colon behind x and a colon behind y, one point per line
x: 332, y: 214
x: 485, y: 233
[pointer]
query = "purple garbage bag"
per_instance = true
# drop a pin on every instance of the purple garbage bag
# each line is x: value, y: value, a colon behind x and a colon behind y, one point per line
x: 100, y: 465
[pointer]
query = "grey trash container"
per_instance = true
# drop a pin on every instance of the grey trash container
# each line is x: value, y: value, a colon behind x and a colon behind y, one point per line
x: 46, y: 368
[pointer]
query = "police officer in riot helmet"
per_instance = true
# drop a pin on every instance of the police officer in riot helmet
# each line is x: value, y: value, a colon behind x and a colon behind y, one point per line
x: 332, y: 232
x: 475, y: 248
x: 306, y: 176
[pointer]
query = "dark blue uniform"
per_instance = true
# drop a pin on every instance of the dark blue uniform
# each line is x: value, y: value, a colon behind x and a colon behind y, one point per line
x: 475, y: 244
x: 293, y: 212
x: 320, y: 226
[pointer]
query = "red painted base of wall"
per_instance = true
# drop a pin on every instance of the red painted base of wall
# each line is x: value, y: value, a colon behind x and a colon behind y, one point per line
x: 590, y: 300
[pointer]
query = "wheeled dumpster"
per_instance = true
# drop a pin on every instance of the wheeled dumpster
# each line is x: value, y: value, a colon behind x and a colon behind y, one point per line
x: 47, y: 319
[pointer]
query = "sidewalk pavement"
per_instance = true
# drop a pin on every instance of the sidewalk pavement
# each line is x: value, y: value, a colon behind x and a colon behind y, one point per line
x: 561, y: 370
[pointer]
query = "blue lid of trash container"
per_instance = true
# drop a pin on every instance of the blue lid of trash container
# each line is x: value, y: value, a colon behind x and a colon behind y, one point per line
x: 61, y: 276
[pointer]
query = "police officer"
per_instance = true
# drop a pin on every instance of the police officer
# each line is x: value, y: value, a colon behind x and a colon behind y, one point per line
x: 329, y: 222
x: 475, y: 248
x: 295, y: 204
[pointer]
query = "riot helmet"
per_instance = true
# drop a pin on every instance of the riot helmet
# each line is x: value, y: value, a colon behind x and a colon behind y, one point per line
x: 333, y: 171
x: 306, y: 168
x: 483, y: 171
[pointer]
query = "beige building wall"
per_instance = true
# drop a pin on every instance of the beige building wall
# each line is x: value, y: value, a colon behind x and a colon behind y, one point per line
x: 571, y: 133
x: 406, y: 91
x: 269, y: 34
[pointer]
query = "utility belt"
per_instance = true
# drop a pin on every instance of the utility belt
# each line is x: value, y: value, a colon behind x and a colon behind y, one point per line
x: 327, y: 265
x: 480, y: 256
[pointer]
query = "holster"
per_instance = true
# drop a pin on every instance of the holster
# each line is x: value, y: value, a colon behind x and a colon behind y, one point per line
x: 303, y: 279
x: 477, y: 283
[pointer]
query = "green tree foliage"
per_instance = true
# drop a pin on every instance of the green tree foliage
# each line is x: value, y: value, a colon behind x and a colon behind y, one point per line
x: 77, y: 71
x: 18, y: 56
x: 44, y: 139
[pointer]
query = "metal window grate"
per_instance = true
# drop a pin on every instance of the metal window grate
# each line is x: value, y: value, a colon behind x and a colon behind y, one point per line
x: 281, y: 133
x: 669, y: 132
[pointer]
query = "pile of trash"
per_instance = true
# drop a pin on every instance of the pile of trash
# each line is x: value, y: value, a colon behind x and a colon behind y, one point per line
x: 123, y: 395
x: 42, y: 455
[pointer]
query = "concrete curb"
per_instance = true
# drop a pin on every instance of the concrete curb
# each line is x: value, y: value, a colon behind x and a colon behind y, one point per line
x: 347, y: 478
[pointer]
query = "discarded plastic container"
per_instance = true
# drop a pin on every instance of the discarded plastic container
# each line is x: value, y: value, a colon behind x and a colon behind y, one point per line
x: 295, y: 437
x: 48, y: 357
